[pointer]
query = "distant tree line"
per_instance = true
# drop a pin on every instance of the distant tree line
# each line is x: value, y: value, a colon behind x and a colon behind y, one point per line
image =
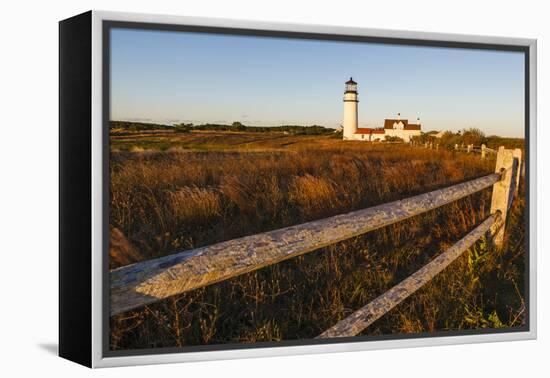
x: 235, y: 126
x: 291, y: 129
x: 137, y: 126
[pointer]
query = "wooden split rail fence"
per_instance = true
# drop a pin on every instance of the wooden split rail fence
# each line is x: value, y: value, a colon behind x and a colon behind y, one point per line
x: 146, y: 282
x: 483, y: 149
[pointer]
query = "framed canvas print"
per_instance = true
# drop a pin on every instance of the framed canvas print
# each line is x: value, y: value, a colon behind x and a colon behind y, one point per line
x: 235, y: 189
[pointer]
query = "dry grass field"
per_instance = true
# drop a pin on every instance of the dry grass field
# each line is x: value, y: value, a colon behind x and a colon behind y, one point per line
x: 176, y: 191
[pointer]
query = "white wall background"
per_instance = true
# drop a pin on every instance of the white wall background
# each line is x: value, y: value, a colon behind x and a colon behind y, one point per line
x: 28, y: 185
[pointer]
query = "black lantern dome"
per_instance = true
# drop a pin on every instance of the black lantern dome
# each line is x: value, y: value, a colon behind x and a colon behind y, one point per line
x: 351, y: 86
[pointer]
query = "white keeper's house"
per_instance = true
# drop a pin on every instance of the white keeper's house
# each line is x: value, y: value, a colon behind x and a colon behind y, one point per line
x: 392, y: 127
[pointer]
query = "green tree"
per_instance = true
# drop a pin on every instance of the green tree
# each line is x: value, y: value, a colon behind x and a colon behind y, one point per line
x: 238, y: 126
x: 449, y: 139
x: 473, y: 136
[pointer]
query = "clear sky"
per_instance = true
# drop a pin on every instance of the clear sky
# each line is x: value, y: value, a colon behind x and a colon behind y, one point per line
x: 172, y: 77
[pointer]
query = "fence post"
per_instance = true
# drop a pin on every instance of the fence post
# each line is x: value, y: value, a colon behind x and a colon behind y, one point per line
x: 483, y: 152
x: 503, y: 192
x: 437, y: 146
x: 517, y: 156
x: 469, y: 148
x: 456, y: 146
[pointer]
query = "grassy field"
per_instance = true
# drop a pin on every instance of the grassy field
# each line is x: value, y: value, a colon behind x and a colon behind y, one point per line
x: 122, y: 140
x: 176, y: 191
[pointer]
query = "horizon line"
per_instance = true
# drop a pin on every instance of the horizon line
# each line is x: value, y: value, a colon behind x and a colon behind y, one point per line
x: 173, y: 123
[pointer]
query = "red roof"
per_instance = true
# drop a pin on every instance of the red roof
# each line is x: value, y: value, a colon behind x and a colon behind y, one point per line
x: 363, y: 130
x: 368, y: 130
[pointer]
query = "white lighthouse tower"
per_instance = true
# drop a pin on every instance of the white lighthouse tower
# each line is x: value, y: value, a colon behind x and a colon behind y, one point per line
x: 350, y: 109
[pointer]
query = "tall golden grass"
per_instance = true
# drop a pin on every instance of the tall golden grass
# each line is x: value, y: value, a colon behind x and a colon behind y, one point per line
x: 164, y: 202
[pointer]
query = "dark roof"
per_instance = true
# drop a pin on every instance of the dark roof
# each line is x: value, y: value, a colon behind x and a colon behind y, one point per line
x: 350, y: 81
x: 388, y: 123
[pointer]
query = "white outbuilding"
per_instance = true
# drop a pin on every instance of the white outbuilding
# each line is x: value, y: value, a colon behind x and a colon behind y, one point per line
x: 401, y: 128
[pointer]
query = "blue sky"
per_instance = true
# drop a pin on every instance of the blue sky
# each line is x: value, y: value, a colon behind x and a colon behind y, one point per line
x: 171, y: 77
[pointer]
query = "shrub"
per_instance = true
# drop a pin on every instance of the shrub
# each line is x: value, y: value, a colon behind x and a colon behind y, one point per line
x: 393, y: 139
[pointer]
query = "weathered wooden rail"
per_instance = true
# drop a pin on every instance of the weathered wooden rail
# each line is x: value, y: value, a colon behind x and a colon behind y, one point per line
x: 143, y: 283
x: 368, y: 314
x: 508, y: 162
